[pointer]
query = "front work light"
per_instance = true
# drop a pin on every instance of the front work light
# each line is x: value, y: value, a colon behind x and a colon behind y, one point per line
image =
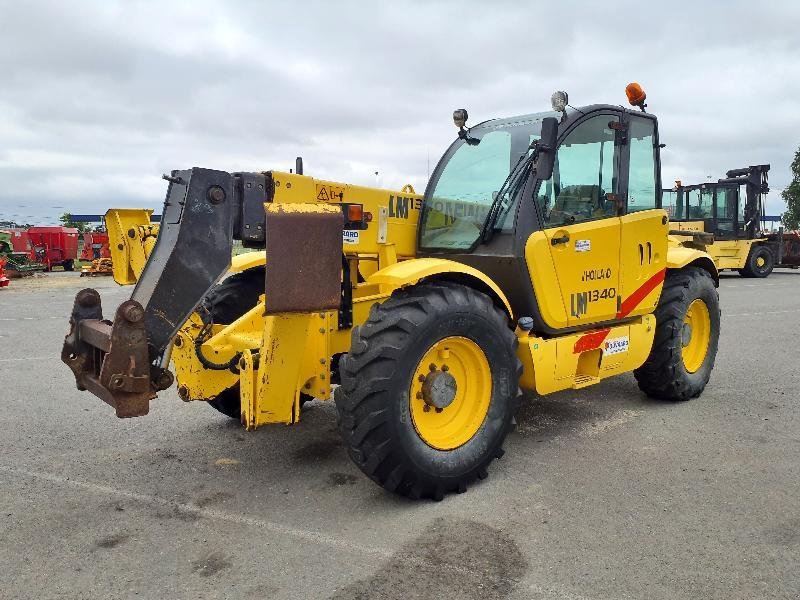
x: 559, y: 101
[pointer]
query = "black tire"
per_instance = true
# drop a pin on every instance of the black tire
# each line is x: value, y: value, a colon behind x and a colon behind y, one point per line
x: 664, y: 376
x: 758, y: 253
x: 69, y: 265
x: 227, y: 301
x: 373, y: 399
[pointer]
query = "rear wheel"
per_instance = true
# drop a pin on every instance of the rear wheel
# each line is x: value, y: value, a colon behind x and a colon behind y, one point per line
x: 760, y: 262
x: 227, y: 301
x: 686, y: 338
x: 429, y: 390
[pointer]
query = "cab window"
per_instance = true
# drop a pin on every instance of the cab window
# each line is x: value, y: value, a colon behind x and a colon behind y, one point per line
x: 464, y: 192
x: 727, y: 198
x: 672, y: 201
x: 585, y: 172
x: 642, y: 171
x: 701, y: 203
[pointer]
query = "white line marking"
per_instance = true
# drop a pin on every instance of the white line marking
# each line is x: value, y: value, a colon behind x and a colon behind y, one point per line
x: 219, y: 515
x: 758, y: 285
x: 62, y: 317
x: 765, y: 312
x: 302, y: 534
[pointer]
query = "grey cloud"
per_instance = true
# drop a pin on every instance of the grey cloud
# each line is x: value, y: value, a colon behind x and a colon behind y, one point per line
x: 102, y: 97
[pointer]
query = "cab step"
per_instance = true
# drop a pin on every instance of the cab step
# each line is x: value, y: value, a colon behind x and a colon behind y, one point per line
x: 582, y: 381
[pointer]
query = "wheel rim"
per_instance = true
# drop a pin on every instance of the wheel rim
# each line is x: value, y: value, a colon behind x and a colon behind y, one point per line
x: 450, y: 393
x: 760, y: 262
x: 696, y: 335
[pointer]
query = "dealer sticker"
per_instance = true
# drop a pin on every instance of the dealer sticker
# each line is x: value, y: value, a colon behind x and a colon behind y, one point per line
x: 616, y: 345
x: 583, y: 245
x: 350, y: 236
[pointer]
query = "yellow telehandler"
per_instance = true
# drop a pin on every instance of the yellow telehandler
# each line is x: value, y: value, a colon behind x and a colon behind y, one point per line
x: 523, y: 266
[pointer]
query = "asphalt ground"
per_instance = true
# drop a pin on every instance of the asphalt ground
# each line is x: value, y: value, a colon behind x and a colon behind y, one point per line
x: 602, y: 493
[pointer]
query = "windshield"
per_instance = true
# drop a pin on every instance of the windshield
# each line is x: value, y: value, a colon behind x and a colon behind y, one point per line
x: 468, y: 179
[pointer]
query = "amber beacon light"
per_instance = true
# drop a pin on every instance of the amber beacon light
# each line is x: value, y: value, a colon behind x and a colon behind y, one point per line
x: 636, y: 95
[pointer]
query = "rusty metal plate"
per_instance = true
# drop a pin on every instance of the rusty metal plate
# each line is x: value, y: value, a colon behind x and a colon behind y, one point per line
x: 304, y: 257
x: 110, y: 360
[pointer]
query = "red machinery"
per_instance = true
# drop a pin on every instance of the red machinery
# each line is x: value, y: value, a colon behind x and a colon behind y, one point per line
x: 20, y: 241
x: 54, y: 246
x: 95, y: 245
x: 3, y: 278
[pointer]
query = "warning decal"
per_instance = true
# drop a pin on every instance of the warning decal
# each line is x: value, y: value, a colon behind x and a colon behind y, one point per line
x: 616, y: 345
x: 350, y: 237
x: 322, y: 196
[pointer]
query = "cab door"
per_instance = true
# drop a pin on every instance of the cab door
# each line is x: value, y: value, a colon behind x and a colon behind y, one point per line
x: 645, y: 226
x: 580, y: 236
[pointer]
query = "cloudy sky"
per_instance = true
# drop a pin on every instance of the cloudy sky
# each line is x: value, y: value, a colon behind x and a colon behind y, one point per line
x: 98, y: 99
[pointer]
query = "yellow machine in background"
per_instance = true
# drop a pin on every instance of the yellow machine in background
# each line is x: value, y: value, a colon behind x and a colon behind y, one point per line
x: 733, y: 220
x: 537, y: 258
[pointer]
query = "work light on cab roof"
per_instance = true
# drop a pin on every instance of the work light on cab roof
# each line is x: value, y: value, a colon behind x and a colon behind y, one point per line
x: 636, y: 95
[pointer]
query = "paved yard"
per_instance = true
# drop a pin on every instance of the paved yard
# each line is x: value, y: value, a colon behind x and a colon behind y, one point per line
x: 602, y: 493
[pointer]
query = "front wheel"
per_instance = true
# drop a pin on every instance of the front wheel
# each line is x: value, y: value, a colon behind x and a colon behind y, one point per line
x: 760, y: 262
x: 686, y: 338
x: 429, y: 390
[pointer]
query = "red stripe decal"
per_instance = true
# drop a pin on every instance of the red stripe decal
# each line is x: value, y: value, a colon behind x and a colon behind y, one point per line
x: 590, y: 341
x: 595, y: 339
x: 636, y: 297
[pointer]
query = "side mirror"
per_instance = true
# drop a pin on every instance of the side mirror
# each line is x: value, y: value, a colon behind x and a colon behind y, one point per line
x: 546, y: 148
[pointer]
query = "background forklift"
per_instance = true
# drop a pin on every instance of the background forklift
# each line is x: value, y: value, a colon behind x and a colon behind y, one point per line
x: 537, y: 259
x: 731, y: 210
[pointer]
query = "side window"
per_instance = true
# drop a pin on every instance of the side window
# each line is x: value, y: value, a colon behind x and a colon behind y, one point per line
x: 700, y: 203
x: 585, y: 172
x: 726, y: 208
x: 642, y: 171
x: 672, y: 201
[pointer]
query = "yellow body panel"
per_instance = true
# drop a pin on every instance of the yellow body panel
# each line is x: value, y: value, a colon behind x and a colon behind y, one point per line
x: 730, y: 254
x: 643, y: 256
x: 248, y: 260
x: 603, y: 264
x: 577, y: 360
x: 410, y: 272
x: 293, y: 358
x: 688, y: 225
x: 679, y: 256
x: 131, y: 238
x: 393, y: 220
x: 545, y: 280
x: 586, y: 269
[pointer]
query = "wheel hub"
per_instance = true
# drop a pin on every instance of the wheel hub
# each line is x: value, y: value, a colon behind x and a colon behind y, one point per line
x: 439, y: 389
x: 450, y: 392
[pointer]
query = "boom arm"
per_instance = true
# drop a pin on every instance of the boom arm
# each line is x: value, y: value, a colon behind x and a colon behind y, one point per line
x: 125, y: 363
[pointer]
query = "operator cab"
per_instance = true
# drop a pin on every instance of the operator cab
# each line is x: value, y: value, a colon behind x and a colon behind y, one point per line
x: 720, y: 207
x: 521, y: 208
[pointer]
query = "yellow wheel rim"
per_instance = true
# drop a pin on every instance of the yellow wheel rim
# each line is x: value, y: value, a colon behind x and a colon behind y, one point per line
x: 760, y: 262
x: 454, y: 374
x: 696, y: 335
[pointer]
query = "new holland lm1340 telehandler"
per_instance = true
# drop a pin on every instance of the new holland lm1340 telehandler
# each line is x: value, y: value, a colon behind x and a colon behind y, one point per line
x: 535, y: 260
